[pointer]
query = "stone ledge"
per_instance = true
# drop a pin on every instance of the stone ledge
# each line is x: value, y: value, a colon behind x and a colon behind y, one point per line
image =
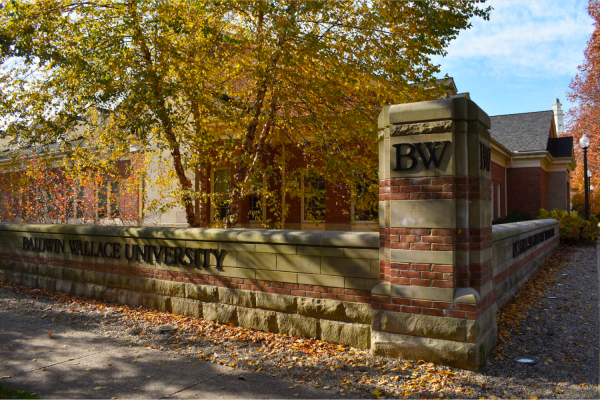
x: 367, y: 240
x: 504, y: 231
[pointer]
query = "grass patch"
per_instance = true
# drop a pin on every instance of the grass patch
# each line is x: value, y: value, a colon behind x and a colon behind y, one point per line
x: 6, y: 393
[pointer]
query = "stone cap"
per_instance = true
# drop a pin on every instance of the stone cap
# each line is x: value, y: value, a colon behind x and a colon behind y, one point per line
x: 503, y: 231
x: 272, y: 236
x: 456, y: 109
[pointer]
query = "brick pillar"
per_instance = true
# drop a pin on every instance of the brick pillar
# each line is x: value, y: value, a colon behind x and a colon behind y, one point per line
x: 435, y: 301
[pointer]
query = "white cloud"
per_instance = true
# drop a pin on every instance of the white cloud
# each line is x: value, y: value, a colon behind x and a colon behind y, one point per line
x: 524, y: 38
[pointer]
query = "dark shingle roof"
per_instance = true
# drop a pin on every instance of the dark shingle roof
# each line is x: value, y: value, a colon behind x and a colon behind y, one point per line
x: 561, y: 146
x: 523, y: 132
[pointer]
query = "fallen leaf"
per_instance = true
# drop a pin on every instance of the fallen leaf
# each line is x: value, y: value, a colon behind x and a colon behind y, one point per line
x: 99, y: 387
x: 50, y: 334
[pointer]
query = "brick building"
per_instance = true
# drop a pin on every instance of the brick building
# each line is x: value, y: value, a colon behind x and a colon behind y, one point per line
x: 531, y: 165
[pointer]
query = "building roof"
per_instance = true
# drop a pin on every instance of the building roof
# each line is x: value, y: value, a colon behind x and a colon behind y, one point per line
x: 523, y: 132
x: 561, y: 146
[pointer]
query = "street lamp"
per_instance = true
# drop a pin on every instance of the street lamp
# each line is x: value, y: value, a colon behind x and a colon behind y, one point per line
x: 584, y: 142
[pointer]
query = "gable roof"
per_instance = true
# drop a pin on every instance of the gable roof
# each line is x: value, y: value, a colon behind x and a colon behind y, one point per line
x: 561, y: 146
x: 523, y: 132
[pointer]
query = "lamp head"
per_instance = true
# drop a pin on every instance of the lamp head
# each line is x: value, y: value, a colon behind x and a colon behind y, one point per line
x: 584, y: 142
x: 589, y: 174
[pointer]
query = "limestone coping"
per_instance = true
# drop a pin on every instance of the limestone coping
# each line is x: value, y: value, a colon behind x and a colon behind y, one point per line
x: 457, y: 109
x: 271, y: 236
x: 503, y: 231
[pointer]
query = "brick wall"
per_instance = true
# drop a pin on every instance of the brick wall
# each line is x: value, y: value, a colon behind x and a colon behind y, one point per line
x: 526, y: 190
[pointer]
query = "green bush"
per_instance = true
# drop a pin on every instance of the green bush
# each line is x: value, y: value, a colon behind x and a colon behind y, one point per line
x: 572, y: 226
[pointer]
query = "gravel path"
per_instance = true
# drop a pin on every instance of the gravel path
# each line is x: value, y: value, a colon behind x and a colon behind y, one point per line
x: 560, y: 333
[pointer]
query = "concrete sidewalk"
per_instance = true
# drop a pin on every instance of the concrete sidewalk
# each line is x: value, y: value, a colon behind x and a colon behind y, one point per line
x: 76, y: 364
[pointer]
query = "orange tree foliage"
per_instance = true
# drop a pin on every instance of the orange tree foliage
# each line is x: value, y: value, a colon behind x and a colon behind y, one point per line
x: 585, y: 117
x: 231, y: 83
x: 37, y: 189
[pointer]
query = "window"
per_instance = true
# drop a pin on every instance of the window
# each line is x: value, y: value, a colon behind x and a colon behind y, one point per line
x: 115, y: 200
x: 221, y: 189
x: 109, y: 197
x: 365, y: 205
x: 499, y: 195
x: 314, y: 198
x: 76, y: 204
x: 255, y: 200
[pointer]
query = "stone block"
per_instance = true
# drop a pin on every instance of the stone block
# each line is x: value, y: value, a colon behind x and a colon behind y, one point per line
x: 29, y: 280
x: 360, y: 283
x: 439, y: 351
x: 321, y: 308
x: 72, y: 274
x: 115, y: 281
x: 277, y: 276
x: 157, y: 302
x: 276, y: 248
x: 320, y: 251
x: 169, y: 288
x: 84, y: 289
x: 261, y: 320
x: 201, y: 292
x: 186, y: 307
x: 64, y: 286
x: 375, y: 269
x: 45, y: 282
x: 359, y: 268
x: 236, y: 297
x: 293, y: 324
x: 238, y: 272
x: 423, y: 214
x: 138, y: 284
x: 257, y: 260
x: 321, y: 280
x: 209, y: 311
x: 227, y: 314
x: 54, y: 272
x: 361, y: 253
x: 355, y: 335
x: 357, y: 312
x: 423, y: 256
x: 447, y: 328
x: 109, y: 295
x: 303, y: 264
x: 422, y: 292
x: 250, y: 248
x: 129, y: 297
x: 276, y: 302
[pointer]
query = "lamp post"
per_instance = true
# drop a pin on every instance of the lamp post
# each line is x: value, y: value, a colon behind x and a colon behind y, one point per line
x: 589, y: 181
x: 584, y: 142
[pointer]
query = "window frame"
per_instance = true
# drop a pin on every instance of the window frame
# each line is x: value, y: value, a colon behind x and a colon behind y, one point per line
x: 313, y: 222
x: 212, y: 189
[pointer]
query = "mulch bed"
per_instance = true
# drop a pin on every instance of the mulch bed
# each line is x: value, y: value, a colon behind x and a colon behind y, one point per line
x: 553, y: 319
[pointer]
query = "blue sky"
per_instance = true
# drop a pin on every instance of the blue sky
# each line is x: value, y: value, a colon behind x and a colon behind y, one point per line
x: 512, y: 63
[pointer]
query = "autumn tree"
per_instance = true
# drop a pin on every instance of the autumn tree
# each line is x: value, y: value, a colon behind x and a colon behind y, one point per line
x: 283, y: 89
x: 585, y: 116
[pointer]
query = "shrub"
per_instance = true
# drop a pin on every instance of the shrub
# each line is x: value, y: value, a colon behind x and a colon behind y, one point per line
x: 572, y: 226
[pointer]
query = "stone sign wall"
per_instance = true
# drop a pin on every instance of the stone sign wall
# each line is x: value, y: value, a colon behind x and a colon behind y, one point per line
x: 427, y: 286
x: 313, y: 284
